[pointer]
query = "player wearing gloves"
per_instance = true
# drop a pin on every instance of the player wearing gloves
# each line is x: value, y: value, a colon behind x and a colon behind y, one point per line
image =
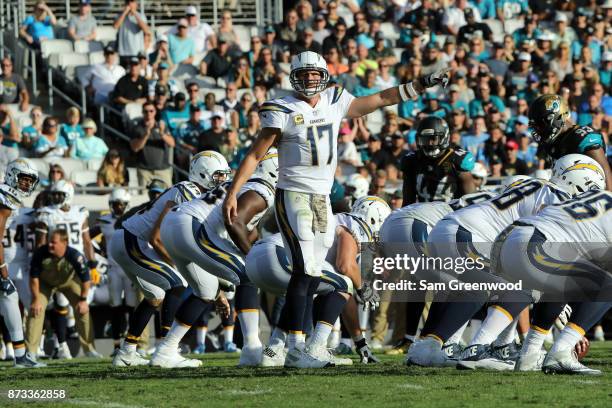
x: 305, y: 127
x: 20, y: 180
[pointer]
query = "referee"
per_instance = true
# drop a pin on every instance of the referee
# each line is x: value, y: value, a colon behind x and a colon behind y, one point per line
x: 56, y: 267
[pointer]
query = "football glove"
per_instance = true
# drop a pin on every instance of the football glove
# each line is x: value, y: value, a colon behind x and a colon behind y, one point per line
x: 7, y: 287
x: 366, y: 356
x: 440, y: 77
x: 95, y: 276
x: 367, y: 296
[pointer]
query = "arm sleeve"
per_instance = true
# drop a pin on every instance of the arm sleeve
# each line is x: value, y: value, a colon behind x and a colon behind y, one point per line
x: 77, y: 261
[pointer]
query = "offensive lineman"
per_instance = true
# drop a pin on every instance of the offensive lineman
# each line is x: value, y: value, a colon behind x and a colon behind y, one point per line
x: 305, y: 127
x: 21, y: 179
x: 137, y: 247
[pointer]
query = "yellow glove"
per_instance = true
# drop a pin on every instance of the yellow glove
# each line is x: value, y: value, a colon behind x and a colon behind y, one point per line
x: 94, y: 276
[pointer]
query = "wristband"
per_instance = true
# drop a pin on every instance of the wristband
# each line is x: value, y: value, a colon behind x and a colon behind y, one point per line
x: 82, y: 298
x: 402, y: 91
x: 411, y: 91
x: 92, y: 264
x: 3, y: 265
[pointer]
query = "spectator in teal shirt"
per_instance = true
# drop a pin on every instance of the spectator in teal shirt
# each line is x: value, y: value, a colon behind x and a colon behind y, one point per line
x: 39, y: 26
x: 605, y: 72
x: 72, y: 130
x: 485, y: 7
x: 368, y: 86
x: 176, y: 115
x: 181, y: 46
x: 90, y: 146
x: 483, y: 98
x: 30, y: 134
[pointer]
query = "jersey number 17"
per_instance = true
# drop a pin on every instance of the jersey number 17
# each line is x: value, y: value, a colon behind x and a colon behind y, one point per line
x: 315, y: 134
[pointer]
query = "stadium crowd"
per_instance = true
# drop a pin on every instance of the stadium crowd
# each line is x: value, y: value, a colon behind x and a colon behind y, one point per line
x: 503, y: 54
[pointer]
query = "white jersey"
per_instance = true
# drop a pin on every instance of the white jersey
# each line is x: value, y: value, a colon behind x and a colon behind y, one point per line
x: 361, y: 232
x: 587, y: 219
x: 71, y: 221
x: 18, y: 240
x: 200, y: 207
x: 106, y: 222
x: 141, y: 224
x: 489, y: 218
x: 9, y: 197
x: 307, y: 149
x: 215, y: 222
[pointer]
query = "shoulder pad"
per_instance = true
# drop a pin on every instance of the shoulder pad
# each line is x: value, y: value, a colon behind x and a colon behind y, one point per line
x: 8, y: 198
x: 275, y: 105
x: 464, y: 160
x: 188, y: 190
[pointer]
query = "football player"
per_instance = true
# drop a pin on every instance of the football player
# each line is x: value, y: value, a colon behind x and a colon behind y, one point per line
x: 138, y: 248
x: 557, y: 136
x: 206, y: 250
x: 20, y: 180
x: 305, y: 126
x: 120, y: 286
x: 268, y: 267
x: 470, y: 232
x: 61, y: 214
x: 585, y: 221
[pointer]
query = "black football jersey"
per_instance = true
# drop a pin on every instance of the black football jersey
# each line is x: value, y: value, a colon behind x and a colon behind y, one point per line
x: 577, y: 139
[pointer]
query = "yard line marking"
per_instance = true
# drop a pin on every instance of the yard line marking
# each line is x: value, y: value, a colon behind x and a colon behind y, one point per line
x: 411, y: 386
x: 81, y: 402
x: 247, y: 392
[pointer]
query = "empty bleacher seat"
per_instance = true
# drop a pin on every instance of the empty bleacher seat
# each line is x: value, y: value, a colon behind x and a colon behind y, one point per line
x: 243, y: 33
x: 70, y: 60
x: 42, y: 166
x: 162, y: 30
x: 68, y: 164
x: 88, y: 46
x: 374, y: 121
x: 96, y: 58
x: 94, y: 164
x: 133, y: 111
x: 84, y: 177
x: 106, y: 34
x: 511, y: 25
x: 202, y: 81
x: 48, y: 47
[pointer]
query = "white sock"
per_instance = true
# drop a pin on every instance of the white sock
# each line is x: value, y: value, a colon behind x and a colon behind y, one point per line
x: 534, y: 340
x: 364, y: 316
x: 129, y: 347
x: 321, y: 334
x: 201, y: 334
x: 300, y: 341
x: 278, y: 337
x: 570, y: 335
x: 456, y: 336
x: 228, y: 334
x: 494, y: 324
x: 334, y: 338
x: 508, y: 335
x: 348, y: 342
x: 175, y: 334
x: 292, y: 340
x: 55, y: 341
x: 249, y: 323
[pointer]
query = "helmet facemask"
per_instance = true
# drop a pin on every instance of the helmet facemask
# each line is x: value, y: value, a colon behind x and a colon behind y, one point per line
x: 432, y: 143
x: 57, y: 198
x: 26, y: 183
x: 219, y: 177
x: 118, y: 207
x: 309, y: 87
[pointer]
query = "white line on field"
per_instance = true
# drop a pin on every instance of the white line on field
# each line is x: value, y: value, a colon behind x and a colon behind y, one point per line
x: 247, y: 392
x: 411, y: 386
x: 81, y: 402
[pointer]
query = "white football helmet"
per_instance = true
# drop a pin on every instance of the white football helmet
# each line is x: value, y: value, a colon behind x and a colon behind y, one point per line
x: 267, y: 169
x: 308, y: 61
x: 119, y: 195
x: 543, y: 174
x: 481, y: 172
x: 513, y: 181
x: 373, y: 210
x: 209, y: 169
x: 17, y: 169
x: 357, y: 186
x: 62, y: 192
x: 577, y: 173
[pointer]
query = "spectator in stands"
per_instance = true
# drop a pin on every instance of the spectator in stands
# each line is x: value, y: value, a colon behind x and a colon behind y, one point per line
x: 9, y: 128
x: 511, y: 164
x: 305, y: 15
x: 349, y: 79
x: 231, y: 146
x: 130, y: 26
x: 248, y: 134
x: 201, y: 33
x: 189, y: 133
x: 113, y: 171
x: 56, y: 173
x: 226, y: 28
x: 243, y: 75
x: 527, y: 152
x: 498, y: 65
x: 280, y: 51
x: 605, y: 71
x: 51, y: 143
x: 244, y: 107
x: 288, y: 30
x: 7, y: 153
x: 432, y: 60
x: 177, y: 114
x: 132, y: 87
x: 31, y: 133
x: 473, y: 28
x: 254, y: 53
x: 306, y: 43
x: 213, y: 138
x: 495, y: 145
x: 181, y: 46
x: 380, y: 49
x: 230, y: 102
x: 90, y: 146
x: 169, y: 84
x: 161, y: 96
x: 511, y: 9
x: 217, y: 63
x: 146, y: 70
x: 333, y: 18
x: 39, y: 26
x: 368, y: 85
x: 337, y: 39
x: 105, y: 76
x: 152, y: 142
x: 384, y: 79
x: 12, y: 86
x: 365, y: 63
x: 562, y: 63
x: 319, y: 28
x: 210, y: 107
x: 71, y: 130
x: 360, y: 27
x: 454, y: 17
x: 267, y: 71
x: 516, y: 77
x: 82, y: 26
x: 335, y: 67
x: 474, y: 141
x: 483, y: 99
x: 161, y: 55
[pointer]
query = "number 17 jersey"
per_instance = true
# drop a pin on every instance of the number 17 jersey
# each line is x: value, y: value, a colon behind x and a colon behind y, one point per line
x: 307, y: 149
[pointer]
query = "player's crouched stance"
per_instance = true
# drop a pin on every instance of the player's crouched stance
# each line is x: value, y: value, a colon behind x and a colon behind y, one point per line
x: 207, y: 252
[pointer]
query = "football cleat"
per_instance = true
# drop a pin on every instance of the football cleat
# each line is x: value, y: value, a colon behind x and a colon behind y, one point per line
x: 93, y: 354
x: 125, y: 358
x: 484, y: 357
x: 62, y: 352
x: 452, y: 350
x: 273, y: 356
x: 230, y: 347
x: 428, y: 353
x: 250, y: 356
x: 566, y: 362
x: 400, y: 347
x: 167, y: 357
x: 200, y: 349
x: 297, y: 358
x: 27, y: 361
x: 530, y: 361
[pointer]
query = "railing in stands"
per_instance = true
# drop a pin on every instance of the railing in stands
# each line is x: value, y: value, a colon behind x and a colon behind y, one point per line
x: 51, y: 71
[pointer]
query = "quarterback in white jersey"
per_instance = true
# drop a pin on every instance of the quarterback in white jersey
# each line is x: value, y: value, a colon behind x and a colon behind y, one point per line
x: 138, y: 248
x: 305, y: 128
x: 208, y: 251
x: 18, y: 244
x: 21, y: 179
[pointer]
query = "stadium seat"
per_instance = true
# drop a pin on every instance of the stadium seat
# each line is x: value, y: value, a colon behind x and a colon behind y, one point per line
x: 70, y: 60
x: 48, y: 47
x: 390, y: 31
x: 184, y: 71
x: 202, y: 81
x: 84, y: 177
x: 133, y: 111
x: 94, y: 164
x: 88, y: 46
x: 82, y: 74
x: 510, y: 26
x: 68, y: 164
x: 398, y: 53
x: 133, y: 176
x: 106, y: 34
x: 42, y: 166
x: 497, y: 27
x: 243, y: 33
x: 96, y: 58
x: 279, y: 92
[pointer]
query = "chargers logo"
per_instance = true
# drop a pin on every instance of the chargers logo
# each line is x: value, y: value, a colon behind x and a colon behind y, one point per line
x: 298, y: 119
x: 582, y: 166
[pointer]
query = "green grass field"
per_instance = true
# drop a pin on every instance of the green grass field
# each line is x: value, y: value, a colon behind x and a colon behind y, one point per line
x: 219, y: 383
